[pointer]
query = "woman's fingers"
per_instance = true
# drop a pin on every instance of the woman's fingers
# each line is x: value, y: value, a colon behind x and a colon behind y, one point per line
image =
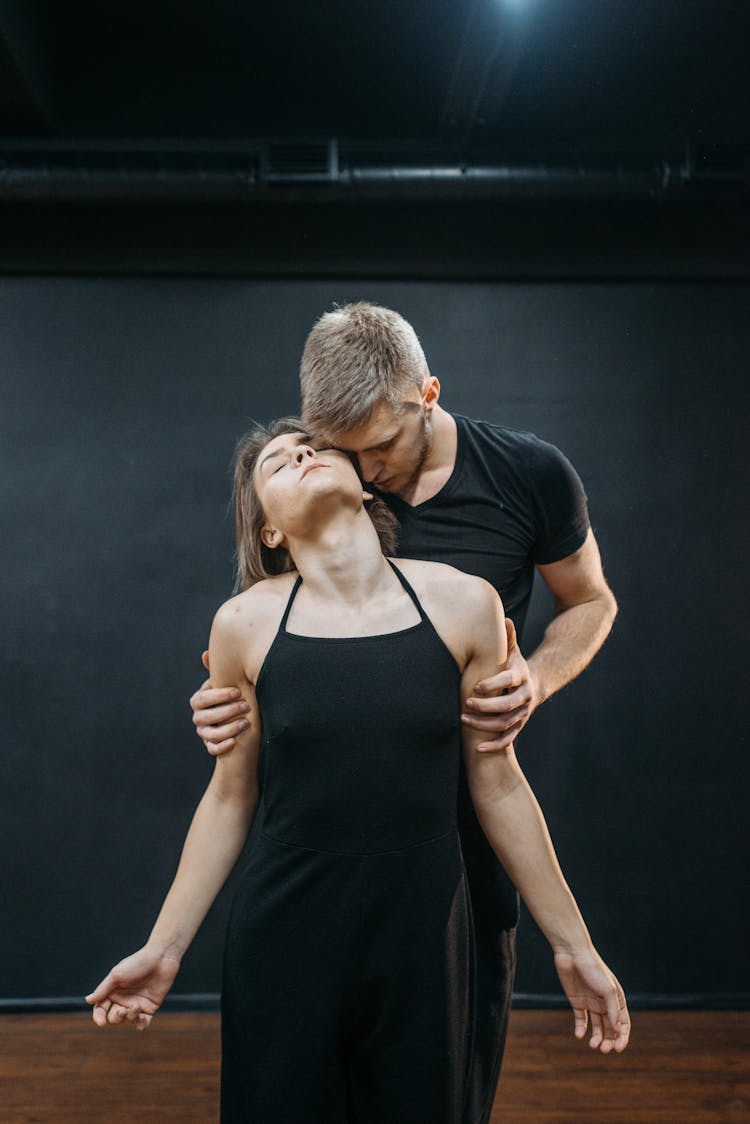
x: 109, y: 1013
x: 622, y: 1027
x: 597, y: 1030
x: 619, y: 1019
x: 117, y: 1014
x: 581, y: 1021
x: 100, y: 1013
x: 102, y: 990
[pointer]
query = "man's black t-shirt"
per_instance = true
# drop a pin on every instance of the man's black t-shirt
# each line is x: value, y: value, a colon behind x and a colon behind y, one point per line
x: 512, y: 501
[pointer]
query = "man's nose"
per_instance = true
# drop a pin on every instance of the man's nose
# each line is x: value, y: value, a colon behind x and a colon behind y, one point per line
x: 369, y: 466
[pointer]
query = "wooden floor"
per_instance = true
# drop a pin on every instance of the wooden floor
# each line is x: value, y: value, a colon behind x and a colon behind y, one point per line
x: 681, y: 1067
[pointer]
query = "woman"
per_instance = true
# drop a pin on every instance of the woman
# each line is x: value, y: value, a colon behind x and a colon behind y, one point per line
x: 347, y: 992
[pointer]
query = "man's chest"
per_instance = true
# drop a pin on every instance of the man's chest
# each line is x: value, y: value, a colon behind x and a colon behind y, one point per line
x: 491, y: 536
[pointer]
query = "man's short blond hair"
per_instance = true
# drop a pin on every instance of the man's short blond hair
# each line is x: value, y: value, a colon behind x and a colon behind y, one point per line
x: 356, y: 357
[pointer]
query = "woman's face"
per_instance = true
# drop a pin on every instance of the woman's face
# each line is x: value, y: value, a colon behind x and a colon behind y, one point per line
x: 295, y: 471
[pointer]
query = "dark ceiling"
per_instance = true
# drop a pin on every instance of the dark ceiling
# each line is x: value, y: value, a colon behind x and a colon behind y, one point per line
x: 506, y: 75
x: 115, y: 115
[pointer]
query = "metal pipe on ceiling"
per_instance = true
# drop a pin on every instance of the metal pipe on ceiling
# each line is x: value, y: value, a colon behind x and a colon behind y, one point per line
x: 331, y: 171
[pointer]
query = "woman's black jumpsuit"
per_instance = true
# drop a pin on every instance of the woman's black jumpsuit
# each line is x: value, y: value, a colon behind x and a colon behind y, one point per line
x: 347, y: 991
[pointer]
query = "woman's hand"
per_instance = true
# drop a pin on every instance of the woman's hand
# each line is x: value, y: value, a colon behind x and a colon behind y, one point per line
x: 594, y: 992
x: 134, y: 990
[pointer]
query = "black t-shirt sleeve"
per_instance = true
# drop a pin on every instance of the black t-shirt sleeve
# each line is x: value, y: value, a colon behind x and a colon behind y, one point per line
x: 562, y: 518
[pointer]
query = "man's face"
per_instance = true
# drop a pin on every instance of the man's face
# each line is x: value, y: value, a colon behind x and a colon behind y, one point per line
x: 393, y: 445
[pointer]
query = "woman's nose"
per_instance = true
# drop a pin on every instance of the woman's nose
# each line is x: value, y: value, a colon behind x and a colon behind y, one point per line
x: 303, y: 452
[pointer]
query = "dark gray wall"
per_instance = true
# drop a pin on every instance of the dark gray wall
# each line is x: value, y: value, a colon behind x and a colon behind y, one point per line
x: 121, y: 403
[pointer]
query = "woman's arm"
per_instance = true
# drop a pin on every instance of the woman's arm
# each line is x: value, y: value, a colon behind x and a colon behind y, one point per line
x: 135, y: 988
x: 515, y: 827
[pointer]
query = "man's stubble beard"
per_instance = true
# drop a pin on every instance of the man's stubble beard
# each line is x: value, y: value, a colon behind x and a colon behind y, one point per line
x: 425, y: 444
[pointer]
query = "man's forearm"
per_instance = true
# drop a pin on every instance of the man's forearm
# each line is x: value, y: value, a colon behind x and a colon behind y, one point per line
x: 571, y: 640
x: 213, y: 844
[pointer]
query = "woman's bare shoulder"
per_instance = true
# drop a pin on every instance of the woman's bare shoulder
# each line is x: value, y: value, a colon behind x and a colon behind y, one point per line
x: 441, y: 581
x: 261, y: 604
x: 459, y: 605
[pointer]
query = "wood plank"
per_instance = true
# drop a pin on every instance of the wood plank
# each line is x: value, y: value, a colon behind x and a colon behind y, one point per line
x: 681, y: 1067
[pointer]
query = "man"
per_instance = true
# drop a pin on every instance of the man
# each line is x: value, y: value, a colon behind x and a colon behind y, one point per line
x: 489, y: 501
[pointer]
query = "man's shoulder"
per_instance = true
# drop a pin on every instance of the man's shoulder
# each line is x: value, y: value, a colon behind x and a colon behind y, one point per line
x: 503, y: 437
x: 517, y: 449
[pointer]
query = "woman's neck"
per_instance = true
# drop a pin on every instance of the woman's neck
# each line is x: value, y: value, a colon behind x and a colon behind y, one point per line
x: 343, y: 562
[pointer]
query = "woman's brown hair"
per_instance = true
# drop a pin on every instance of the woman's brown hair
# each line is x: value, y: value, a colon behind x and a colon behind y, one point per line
x: 254, y: 560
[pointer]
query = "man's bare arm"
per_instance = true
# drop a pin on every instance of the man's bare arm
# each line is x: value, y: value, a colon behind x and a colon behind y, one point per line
x: 583, y: 614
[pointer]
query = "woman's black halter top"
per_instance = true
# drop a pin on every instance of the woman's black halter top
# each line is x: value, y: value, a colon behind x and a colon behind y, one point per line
x: 361, y: 737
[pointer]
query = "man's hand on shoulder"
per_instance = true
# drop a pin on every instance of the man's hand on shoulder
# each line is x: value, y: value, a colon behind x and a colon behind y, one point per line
x: 218, y: 714
x: 502, y: 704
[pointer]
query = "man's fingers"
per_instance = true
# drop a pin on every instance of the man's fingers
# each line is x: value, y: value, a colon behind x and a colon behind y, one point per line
x: 207, y: 697
x: 497, y: 723
x: 212, y: 735
x: 510, y: 633
x: 503, y: 681
x: 220, y: 715
x: 581, y: 1021
x: 500, y: 704
x: 503, y: 742
x: 222, y: 747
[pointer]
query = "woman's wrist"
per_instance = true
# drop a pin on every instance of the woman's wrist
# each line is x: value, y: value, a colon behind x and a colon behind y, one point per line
x: 165, y: 949
x: 566, y: 930
x: 573, y: 939
x: 573, y: 948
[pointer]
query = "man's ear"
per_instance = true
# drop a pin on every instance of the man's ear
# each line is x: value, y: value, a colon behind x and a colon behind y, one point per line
x: 272, y: 538
x: 430, y: 391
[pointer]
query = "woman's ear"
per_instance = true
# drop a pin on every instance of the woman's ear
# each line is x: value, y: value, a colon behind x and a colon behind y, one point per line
x: 272, y: 538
